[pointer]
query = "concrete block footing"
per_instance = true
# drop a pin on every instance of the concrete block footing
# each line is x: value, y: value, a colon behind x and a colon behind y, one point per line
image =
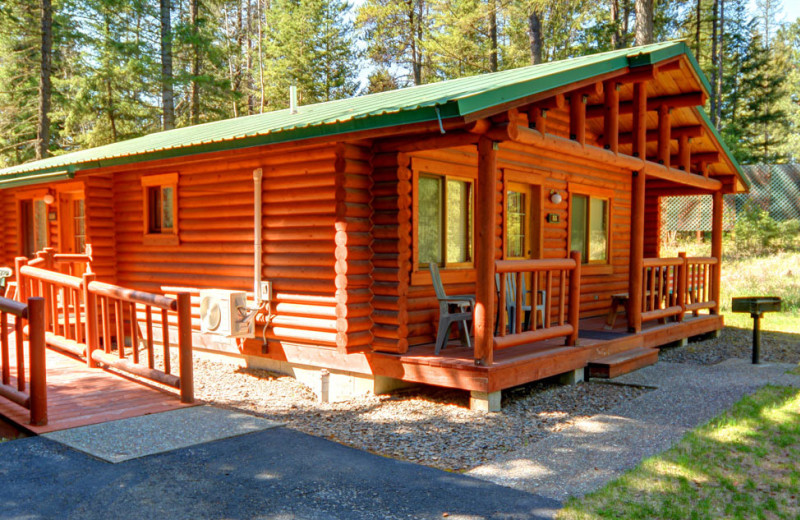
x: 485, y: 401
x: 677, y: 343
x: 572, y: 377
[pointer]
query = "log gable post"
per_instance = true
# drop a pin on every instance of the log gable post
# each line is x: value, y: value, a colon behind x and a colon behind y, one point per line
x: 664, y: 129
x: 611, y: 126
x: 685, y: 153
x: 486, y: 220
x: 635, y: 275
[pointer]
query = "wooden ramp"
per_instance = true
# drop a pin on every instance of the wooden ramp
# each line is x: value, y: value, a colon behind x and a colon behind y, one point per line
x: 79, y: 396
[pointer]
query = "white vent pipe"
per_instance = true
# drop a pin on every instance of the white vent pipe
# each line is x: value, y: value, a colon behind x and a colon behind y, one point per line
x: 292, y: 100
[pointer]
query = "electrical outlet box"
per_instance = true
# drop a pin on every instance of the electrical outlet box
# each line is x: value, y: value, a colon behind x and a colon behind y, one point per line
x: 552, y: 218
x: 266, y: 291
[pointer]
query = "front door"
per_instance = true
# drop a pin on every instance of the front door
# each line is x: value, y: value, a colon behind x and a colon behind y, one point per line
x: 34, y: 227
x: 72, y: 222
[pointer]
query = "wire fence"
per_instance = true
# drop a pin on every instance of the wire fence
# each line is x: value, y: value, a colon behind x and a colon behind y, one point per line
x: 775, y: 188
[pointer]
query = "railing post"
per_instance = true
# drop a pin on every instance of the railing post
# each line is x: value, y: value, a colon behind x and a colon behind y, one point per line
x: 574, y: 298
x: 90, y: 315
x: 682, y: 284
x: 22, y: 287
x: 185, y: 347
x: 38, y: 365
x: 716, y: 249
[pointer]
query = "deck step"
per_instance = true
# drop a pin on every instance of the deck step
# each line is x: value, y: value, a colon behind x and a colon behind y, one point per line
x: 617, y: 364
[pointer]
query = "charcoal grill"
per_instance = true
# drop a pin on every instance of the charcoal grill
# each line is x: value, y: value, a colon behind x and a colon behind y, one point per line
x: 756, y: 306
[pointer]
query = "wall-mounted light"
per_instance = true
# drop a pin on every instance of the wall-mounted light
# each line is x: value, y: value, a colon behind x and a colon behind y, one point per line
x: 49, y: 199
x: 555, y: 197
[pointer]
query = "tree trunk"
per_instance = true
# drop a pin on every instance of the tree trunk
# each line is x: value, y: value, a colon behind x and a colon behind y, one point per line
x: 415, y: 30
x: 167, y: 99
x: 720, y: 60
x: 261, y: 53
x: 713, y: 98
x: 698, y: 22
x: 194, y: 104
x: 644, y: 22
x: 43, y: 131
x: 493, y: 35
x: 615, y: 36
x: 535, y: 29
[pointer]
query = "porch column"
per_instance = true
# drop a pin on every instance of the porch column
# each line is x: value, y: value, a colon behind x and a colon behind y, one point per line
x: 716, y: 248
x: 636, y: 254
x: 486, y: 223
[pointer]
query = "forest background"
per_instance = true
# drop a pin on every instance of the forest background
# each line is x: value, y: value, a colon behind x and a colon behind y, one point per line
x: 81, y: 73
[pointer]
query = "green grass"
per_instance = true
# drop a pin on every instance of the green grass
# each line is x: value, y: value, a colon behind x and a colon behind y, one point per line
x: 744, y: 464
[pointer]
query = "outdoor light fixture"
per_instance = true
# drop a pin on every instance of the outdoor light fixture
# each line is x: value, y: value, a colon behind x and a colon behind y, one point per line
x: 555, y: 197
x: 49, y: 199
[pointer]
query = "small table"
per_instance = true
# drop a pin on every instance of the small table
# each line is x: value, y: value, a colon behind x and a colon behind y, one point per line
x: 756, y: 306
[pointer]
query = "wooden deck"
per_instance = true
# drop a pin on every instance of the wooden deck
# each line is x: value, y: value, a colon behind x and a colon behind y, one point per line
x: 455, y: 367
x: 79, y: 396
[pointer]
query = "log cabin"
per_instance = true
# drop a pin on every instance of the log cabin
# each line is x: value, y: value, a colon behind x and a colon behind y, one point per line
x: 328, y: 215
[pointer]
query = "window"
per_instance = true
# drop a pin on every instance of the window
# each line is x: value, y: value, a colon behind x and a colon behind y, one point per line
x: 160, y: 204
x: 589, y: 228
x: 444, y: 220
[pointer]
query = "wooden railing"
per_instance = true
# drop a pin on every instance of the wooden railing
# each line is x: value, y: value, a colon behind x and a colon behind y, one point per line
x: 662, y: 288
x: 673, y: 286
x: 699, y: 283
x: 541, y: 273
x: 66, y: 263
x: 31, y: 392
x: 91, y: 319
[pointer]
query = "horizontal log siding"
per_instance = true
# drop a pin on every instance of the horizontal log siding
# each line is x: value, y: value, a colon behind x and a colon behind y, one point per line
x: 353, y: 248
x: 391, y: 246
x: 652, y: 225
x: 99, y: 206
x: 8, y: 240
x: 417, y: 306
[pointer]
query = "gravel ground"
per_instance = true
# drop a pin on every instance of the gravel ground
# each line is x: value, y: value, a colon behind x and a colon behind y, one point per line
x: 776, y: 347
x: 427, y: 425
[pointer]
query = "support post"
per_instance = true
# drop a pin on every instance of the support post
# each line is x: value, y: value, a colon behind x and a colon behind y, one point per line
x: 640, y: 119
x: 636, y: 253
x: 90, y: 315
x: 574, y: 311
x: 540, y: 119
x: 664, y: 130
x: 685, y: 153
x: 682, y: 277
x: 486, y: 215
x: 577, y: 117
x: 716, y: 248
x: 38, y: 364
x: 611, y: 127
x: 185, y: 347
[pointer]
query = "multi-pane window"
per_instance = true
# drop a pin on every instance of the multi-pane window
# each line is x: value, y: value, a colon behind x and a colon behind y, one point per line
x: 160, y: 193
x: 444, y: 220
x: 589, y: 228
x: 79, y: 225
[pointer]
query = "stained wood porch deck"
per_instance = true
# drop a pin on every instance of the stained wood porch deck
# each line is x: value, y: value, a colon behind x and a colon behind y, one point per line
x: 455, y: 367
x: 79, y: 396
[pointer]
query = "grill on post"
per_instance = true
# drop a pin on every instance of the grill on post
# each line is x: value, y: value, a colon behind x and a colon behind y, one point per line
x: 756, y: 306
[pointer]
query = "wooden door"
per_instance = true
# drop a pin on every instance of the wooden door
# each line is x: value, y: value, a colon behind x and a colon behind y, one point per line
x: 72, y: 221
x: 34, y: 228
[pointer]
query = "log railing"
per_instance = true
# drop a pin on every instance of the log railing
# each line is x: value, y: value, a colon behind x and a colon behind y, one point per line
x: 662, y: 288
x: 29, y: 392
x: 673, y: 286
x: 66, y: 263
x: 699, y: 283
x: 113, y: 326
x: 563, y: 306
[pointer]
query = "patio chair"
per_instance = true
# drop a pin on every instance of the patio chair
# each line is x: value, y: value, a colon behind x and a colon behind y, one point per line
x: 511, y: 300
x: 452, y: 309
x: 5, y: 273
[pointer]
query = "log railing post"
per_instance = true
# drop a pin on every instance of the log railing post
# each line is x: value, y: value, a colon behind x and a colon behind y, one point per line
x: 636, y: 257
x: 91, y: 318
x: 486, y: 218
x: 682, y: 284
x: 574, y: 298
x: 38, y: 365
x: 22, y: 286
x: 185, y: 346
x: 716, y: 249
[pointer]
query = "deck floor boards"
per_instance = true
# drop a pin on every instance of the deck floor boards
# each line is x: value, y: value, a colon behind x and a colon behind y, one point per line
x: 79, y: 396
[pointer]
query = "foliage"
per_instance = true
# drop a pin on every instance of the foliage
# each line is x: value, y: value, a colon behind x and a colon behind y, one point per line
x: 742, y: 464
x: 758, y: 234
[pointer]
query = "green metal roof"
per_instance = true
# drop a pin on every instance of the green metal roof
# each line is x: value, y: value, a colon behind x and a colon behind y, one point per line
x: 453, y: 98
